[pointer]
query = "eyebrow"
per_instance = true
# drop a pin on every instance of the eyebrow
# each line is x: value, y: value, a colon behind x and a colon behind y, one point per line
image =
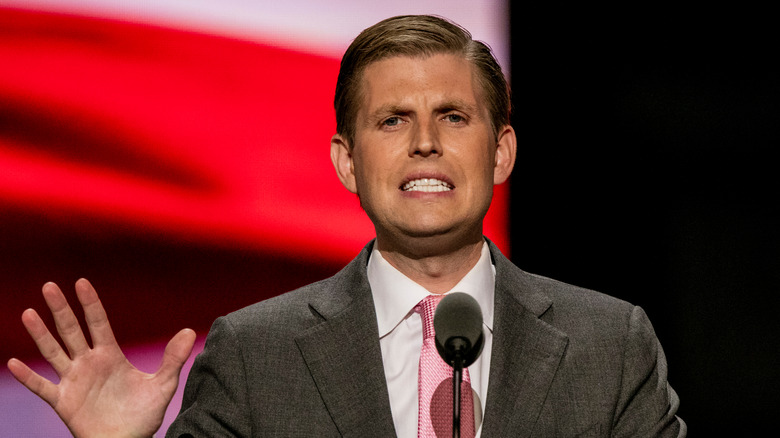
x: 384, y: 111
x: 460, y: 105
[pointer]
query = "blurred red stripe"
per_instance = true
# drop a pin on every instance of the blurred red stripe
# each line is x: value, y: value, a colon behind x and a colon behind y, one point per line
x: 200, y: 136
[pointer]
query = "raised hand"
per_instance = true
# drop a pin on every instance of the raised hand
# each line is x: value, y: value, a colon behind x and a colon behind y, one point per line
x: 100, y: 393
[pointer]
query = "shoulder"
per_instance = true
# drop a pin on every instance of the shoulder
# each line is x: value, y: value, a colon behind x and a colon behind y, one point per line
x: 299, y: 309
x: 539, y: 294
x: 579, y: 312
x: 575, y: 300
x: 286, y: 310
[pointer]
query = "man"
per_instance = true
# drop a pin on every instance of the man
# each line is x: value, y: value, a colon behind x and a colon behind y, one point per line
x: 423, y: 134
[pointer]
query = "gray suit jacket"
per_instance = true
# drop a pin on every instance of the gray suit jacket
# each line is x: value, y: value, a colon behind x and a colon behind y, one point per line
x: 567, y: 362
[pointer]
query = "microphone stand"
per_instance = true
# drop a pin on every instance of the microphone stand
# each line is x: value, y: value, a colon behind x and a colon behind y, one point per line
x: 458, y: 346
x: 457, y: 377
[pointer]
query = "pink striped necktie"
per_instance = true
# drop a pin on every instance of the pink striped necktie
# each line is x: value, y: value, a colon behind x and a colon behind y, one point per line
x: 434, y: 418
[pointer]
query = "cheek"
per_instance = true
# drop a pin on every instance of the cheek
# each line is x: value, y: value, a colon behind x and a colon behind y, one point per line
x: 367, y: 175
x: 480, y: 164
x: 373, y: 162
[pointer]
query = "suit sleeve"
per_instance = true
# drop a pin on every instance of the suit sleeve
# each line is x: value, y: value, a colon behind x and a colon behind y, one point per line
x: 215, y: 401
x: 647, y: 405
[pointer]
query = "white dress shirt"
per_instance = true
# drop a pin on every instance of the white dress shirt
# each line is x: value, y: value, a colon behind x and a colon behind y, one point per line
x: 400, y: 334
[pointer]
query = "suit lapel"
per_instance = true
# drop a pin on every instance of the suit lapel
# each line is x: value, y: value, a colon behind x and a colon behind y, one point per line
x: 344, y: 357
x: 526, y: 353
x: 345, y: 360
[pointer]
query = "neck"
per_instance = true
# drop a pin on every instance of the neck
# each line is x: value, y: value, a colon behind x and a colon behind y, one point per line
x: 438, y: 269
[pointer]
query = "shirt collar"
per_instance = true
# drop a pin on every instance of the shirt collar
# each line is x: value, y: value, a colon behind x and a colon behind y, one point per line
x: 395, y: 294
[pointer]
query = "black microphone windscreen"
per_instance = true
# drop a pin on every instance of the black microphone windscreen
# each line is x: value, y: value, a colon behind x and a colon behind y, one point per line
x: 458, y: 315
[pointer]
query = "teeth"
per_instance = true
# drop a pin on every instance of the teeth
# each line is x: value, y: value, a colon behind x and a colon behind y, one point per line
x: 427, y: 185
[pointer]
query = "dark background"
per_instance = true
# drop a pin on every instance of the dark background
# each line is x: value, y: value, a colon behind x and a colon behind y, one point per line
x: 646, y: 171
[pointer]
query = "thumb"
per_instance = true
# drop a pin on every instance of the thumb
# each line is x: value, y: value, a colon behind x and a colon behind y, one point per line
x: 176, y: 353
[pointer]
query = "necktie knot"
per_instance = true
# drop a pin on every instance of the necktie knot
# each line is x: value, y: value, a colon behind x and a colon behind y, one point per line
x: 427, y: 308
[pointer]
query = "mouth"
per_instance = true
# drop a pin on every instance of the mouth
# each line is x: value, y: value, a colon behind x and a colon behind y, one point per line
x: 427, y: 185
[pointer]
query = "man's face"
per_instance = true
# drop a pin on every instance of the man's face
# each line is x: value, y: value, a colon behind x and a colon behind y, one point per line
x: 425, y: 157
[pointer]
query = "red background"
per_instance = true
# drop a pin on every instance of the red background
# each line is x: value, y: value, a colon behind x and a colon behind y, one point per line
x: 186, y: 175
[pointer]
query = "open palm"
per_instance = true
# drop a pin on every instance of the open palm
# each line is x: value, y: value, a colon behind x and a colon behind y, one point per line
x: 100, y: 393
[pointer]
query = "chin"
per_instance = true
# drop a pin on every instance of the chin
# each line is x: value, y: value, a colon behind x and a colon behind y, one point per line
x: 445, y: 235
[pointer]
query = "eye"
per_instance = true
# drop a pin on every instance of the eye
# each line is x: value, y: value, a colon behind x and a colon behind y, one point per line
x: 455, y: 118
x: 392, y: 121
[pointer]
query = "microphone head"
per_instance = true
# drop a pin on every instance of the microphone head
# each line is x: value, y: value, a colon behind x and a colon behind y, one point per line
x: 458, y: 326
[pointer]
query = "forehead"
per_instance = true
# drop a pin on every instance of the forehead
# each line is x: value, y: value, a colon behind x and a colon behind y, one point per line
x: 407, y: 79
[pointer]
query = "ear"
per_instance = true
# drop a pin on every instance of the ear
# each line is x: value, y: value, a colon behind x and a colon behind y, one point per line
x: 341, y: 156
x: 506, y: 151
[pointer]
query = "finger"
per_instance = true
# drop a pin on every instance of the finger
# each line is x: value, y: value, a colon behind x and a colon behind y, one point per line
x: 48, y: 346
x: 94, y: 314
x: 67, y: 325
x: 176, y: 354
x: 33, y: 381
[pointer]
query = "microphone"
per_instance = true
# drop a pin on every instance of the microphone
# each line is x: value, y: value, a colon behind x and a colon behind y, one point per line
x: 458, y: 326
x: 459, y: 339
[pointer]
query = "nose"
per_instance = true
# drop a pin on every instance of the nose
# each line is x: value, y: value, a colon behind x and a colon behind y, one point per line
x: 425, y: 140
